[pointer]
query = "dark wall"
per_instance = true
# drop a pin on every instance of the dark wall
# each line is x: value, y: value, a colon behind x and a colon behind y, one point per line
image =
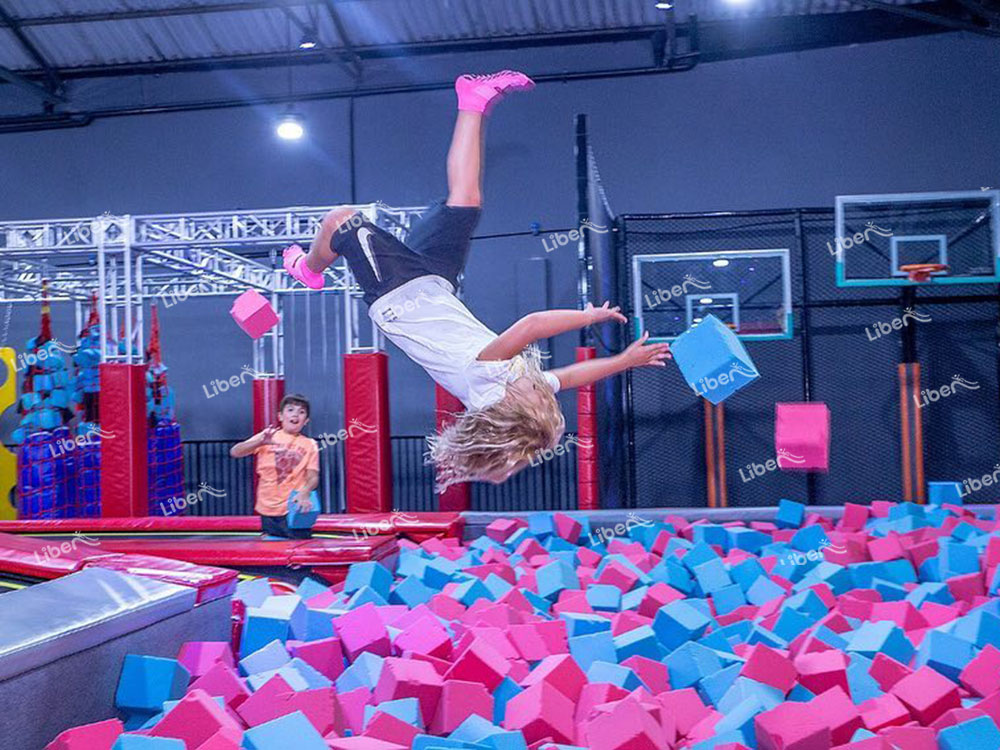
x: 785, y: 130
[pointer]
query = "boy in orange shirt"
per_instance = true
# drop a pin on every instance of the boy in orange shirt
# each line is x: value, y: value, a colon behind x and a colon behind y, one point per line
x: 287, y: 467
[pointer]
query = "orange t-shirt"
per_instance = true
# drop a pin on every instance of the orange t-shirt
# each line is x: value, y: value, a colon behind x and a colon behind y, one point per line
x: 281, y: 469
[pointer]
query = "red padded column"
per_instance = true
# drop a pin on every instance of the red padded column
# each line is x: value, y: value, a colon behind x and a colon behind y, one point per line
x: 122, y: 407
x: 588, y: 477
x: 267, y: 394
x: 457, y: 497
x: 368, y: 451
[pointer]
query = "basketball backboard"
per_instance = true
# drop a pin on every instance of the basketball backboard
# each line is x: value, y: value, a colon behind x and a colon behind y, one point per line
x: 875, y: 235
x: 748, y: 290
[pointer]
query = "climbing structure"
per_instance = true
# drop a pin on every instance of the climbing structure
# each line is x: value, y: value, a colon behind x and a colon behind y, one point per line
x: 165, y: 454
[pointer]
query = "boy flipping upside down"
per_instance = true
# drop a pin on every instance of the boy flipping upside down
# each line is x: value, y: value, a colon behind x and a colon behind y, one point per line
x: 410, y: 290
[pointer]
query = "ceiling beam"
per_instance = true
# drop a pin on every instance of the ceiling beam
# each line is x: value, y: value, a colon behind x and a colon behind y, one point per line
x: 353, y: 61
x: 956, y: 24
x: 53, y: 82
x: 179, y: 10
x: 30, y: 86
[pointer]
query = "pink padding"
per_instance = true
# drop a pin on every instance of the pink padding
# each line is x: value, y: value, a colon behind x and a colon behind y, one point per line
x: 802, y: 436
x: 194, y: 719
x: 253, y: 313
x: 98, y: 736
x: 791, y: 726
x: 210, y: 582
x: 927, y: 694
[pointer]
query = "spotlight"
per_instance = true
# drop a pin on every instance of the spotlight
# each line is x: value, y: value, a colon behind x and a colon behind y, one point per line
x: 696, y: 320
x: 290, y: 127
x: 309, y: 40
x: 705, y: 300
x: 664, y: 6
x: 720, y: 262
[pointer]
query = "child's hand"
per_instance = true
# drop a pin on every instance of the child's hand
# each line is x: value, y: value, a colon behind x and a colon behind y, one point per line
x: 301, y: 500
x: 266, y: 437
x: 604, y: 312
x: 641, y: 354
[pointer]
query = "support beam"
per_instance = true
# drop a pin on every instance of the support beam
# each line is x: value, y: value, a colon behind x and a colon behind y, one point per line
x: 30, y: 86
x: 921, y: 15
x: 351, y: 55
x: 180, y: 10
x: 54, y: 83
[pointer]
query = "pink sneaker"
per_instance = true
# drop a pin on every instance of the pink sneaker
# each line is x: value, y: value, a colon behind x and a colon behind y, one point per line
x: 295, y: 264
x: 480, y: 93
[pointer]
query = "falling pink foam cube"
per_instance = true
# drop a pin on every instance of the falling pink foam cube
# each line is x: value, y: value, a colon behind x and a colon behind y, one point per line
x: 802, y: 436
x: 253, y: 313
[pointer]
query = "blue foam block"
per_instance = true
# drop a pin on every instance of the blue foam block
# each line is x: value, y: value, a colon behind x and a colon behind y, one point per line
x: 690, y: 663
x: 371, y: 574
x: 303, y: 519
x: 944, y: 653
x: 272, y: 656
x: 884, y: 636
x: 291, y: 730
x: 980, y: 733
x: 143, y: 742
x: 728, y: 598
x: 712, y: 575
x: 713, y: 360
x: 941, y: 493
x: 555, y: 577
x: 790, y: 514
x: 502, y: 695
x: 614, y: 674
x: 604, y: 598
x: 640, y: 641
x: 678, y: 622
x: 147, y: 681
x: 411, y: 591
x: 404, y: 709
x: 586, y: 649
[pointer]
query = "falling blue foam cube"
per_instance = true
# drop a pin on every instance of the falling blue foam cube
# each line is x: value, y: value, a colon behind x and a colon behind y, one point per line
x: 713, y: 360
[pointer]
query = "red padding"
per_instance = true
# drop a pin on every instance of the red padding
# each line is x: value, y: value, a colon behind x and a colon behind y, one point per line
x: 367, y: 454
x: 588, y: 495
x: 417, y: 526
x: 447, y: 408
x: 211, y: 583
x: 123, y: 454
x: 267, y: 394
x: 41, y: 558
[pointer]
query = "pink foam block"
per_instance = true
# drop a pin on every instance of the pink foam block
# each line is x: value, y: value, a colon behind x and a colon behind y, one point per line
x: 885, y: 711
x: 541, y: 712
x: 224, y: 739
x: 197, y: 657
x: 325, y: 656
x: 886, y: 671
x: 966, y: 588
x: 389, y: 728
x: 855, y: 517
x: 362, y: 630
x: 868, y: 743
x: 98, y: 736
x: 771, y: 667
x: 911, y: 738
x: 258, y: 708
x: 821, y: 670
x: 459, y: 701
x: 927, y: 694
x: 401, y: 678
x: 351, y: 714
x: 362, y: 743
x: 479, y: 662
x: 981, y: 676
x: 802, y: 436
x: 194, y: 719
x: 500, y: 529
x: 593, y: 695
x: 561, y: 672
x: 627, y: 725
x: 535, y: 641
x: 616, y: 574
x: 567, y: 527
x: 253, y: 313
x: 221, y: 680
x: 425, y: 636
x: 791, y: 726
x: 654, y: 674
x: 835, y: 708
x: 687, y: 706
x: 956, y: 716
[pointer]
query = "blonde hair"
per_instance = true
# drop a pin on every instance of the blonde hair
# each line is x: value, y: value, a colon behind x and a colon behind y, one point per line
x: 489, y: 442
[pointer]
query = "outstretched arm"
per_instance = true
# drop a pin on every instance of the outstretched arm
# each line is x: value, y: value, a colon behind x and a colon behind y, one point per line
x: 638, y: 354
x: 541, y: 325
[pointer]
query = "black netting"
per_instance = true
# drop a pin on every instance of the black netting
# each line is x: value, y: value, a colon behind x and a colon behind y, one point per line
x: 837, y: 356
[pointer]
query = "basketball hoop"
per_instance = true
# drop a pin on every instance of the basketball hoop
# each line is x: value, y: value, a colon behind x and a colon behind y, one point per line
x: 921, y: 272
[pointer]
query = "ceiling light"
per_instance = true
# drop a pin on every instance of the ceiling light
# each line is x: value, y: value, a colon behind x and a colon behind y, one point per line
x: 291, y: 127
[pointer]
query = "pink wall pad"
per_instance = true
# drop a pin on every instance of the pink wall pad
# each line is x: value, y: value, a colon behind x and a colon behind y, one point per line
x: 388, y: 728
x: 459, y: 701
x: 981, y: 676
x: 199, y: 656
x: 542, y: 712
x: 253, y: 313
x: 791, y: 726
x: 98, y: 736
x: 838, y: 712
x: 802, y: 436
x: 194, y: 719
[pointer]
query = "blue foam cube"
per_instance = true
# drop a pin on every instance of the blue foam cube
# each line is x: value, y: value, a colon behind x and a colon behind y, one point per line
x: 371, y: 574
x: 586, y: 649
x: 640, y: 641
x: 291, y: 730
x: 604, y: 598
x: 790, y: 514
x: 690, y: 663
x: 713, y: 360
x: 678, y: 622
x: 303, y: 519
x: 144, y: 742
x: 941, y: 493
x: 980, y: 733
x: 147, y: 681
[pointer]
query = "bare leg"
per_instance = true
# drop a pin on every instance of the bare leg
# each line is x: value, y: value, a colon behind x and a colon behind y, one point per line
x: 320, y: 253
x: 465, y: 160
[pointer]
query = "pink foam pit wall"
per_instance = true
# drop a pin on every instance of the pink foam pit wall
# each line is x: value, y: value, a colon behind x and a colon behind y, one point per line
x: 195, y: 718
x: 802, y: 436
x: 253, y: 313
x: 542, y: 712
x: 100, y: 735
